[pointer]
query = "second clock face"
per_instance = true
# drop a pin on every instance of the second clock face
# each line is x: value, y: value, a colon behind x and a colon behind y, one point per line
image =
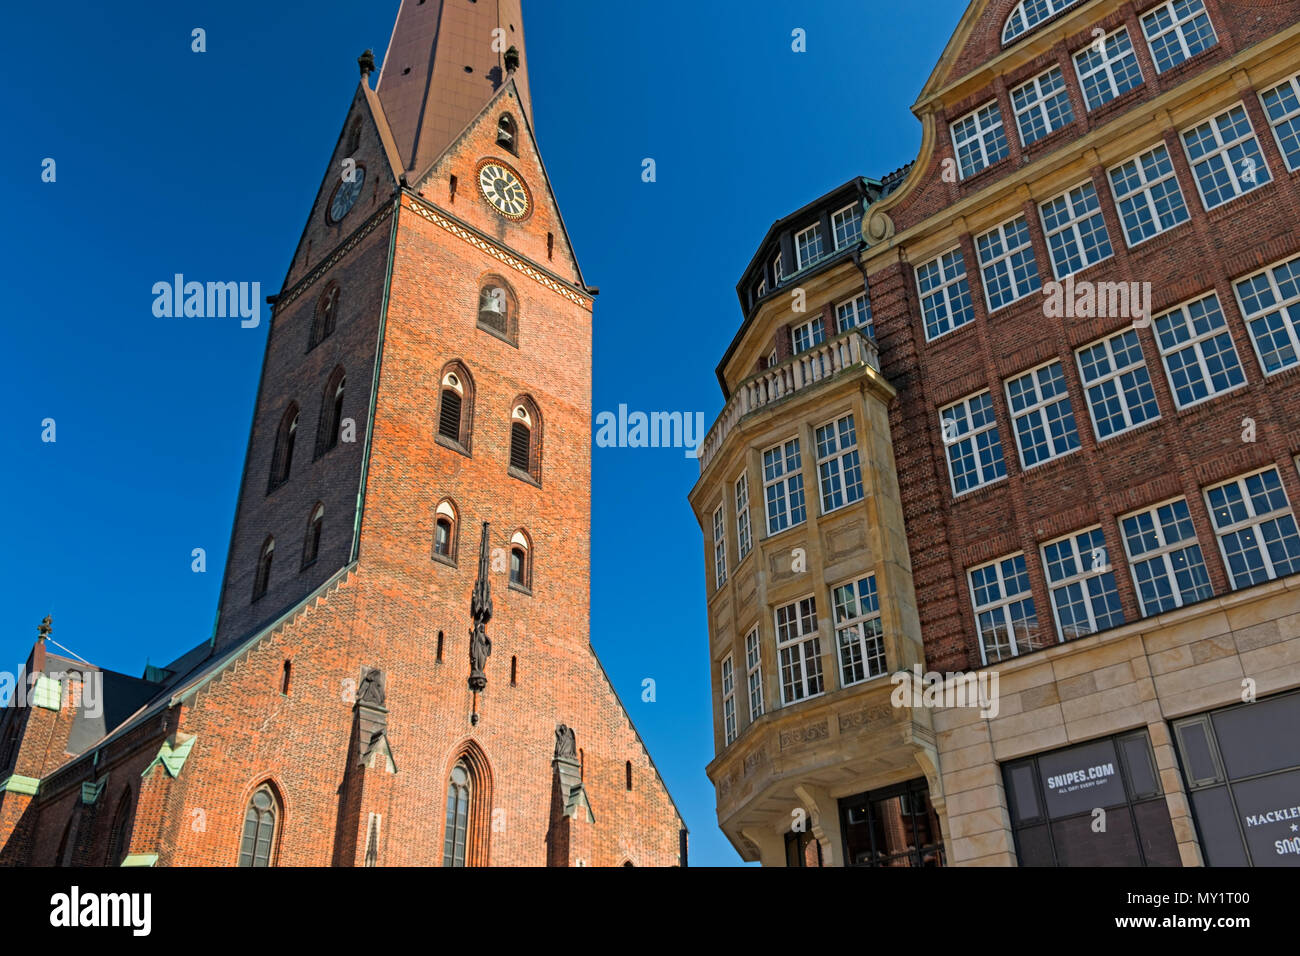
x: 346, y: 194
x: 502, y: 187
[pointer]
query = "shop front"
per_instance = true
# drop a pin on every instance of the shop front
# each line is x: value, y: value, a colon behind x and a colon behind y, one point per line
x: 896, y: 826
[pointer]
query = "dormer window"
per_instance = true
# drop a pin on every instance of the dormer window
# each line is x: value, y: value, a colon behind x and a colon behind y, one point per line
x: 808, y: 245
x: 1029, y: 14
x: 847, y: 224
x: 506, y: 134
x: 776, y: 271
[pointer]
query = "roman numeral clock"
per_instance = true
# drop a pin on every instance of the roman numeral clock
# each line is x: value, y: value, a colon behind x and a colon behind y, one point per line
x: 504, y: 189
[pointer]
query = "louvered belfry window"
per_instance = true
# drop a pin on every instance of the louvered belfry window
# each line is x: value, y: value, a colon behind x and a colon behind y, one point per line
x: 259, y: 830
x: 449, y: 419
x: 520, y: 446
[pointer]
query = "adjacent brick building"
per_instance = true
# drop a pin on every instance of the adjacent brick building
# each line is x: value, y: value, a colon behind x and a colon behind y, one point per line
x: 1075, y: 392
x: 401, y: 672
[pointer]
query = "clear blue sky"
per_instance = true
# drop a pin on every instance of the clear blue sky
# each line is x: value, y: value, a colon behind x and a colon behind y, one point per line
x: 207, y: 164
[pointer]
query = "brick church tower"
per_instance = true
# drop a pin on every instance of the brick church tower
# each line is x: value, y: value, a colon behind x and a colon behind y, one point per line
x: 401, y: 671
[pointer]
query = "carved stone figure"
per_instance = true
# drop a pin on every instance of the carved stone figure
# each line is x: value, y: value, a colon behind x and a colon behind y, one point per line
x: 565, y: 743
x: 372, y: 688
x: 480, y: 608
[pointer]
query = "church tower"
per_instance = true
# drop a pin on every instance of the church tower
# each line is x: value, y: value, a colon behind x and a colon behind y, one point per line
x: 401, y: 672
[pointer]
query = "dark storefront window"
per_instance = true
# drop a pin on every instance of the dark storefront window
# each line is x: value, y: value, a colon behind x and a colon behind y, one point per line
x: 802, y: 849
x: 893, y: 827
x: 1055, y: 798
x: 1242, y: 767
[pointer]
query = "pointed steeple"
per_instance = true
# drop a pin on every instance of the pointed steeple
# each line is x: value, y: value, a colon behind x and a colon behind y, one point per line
x: 444, y: 62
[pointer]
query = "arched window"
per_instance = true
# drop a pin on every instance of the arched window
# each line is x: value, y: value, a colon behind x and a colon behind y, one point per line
x: 467, y: 824
x: 445, y: 529
x: 119, y: 834
x: 257, y: 844
x: 1029, y: 14
x: 326, y: 314
x: 521, y: 562
x: 456, y: 407
x: 311, y: 544
x: 262, y: 580
x: 331, y: 412
x: 507, y: 135
x: 456, y: 834
x: 526, y: 439
x: 282, y: 454
x: 498, y: 308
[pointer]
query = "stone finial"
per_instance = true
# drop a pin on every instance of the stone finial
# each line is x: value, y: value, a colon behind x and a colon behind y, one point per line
x: 367, y: 63
x: 46, y: 627
x: 512, y: 59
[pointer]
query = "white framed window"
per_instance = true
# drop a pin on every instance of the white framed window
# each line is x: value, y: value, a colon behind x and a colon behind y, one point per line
x: 1165, y: 557
x: 1282, y: 106
x: 1042, y: 106
x: 1225, y: 157
x: 838, y: 468
x: 1005, y: 619
x: 810, y: 333
x: 799, y: 649
x: 858, y: 637
x: 1042, y: 415
x: 783, y: 486
x: 970, y: 436
x: 728, y: 698
x: 1255, y: 527
x: 776, y: 270
x: 854, y: 313
x: 945, y: 294
x: 754, y: 674
x: 771, y: 358
x: 744, y: 531
x: 1081, y: 580
x: 1177, y: 31
x: 1147, y: 195
x: 1107, y: 68
x: 762, y: 289
x: 847, y: 224
x: 808, y: 245
x: 1007, y: 263
x: 1029, y: 13
x: 980, y: 139
x: 1117, y: 384
x: 1198, y: 352
x: 1270, y: 301
x: 719, y: 548
x: 1075, y: 230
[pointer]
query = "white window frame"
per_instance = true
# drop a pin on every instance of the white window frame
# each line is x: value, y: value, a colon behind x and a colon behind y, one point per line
x: 1252, y: 523
x: 1088, y: 571
x: 1221, y: 153
x: 840, y: 462
x: 980, y: 137
x: 859, y: 305
x: 1281, y: 305
x: 1292, y: 118
x: 789, y: 480
x: 859, y: 637
x: 1076, y: 218
x: 719, y: 548
x: 727, y: 670
x: 1164, y: 552
x: 1112, y: 375
x: 805, y: 261
x: 839, y: 221
x: 1177, y: 27
x: 1038, y: 410
x: 1001, y: 607
x: 801, y: 646
x: 1007, y: 259
x: 1023, y: 23
x: 1144, y: 192
x: 754, y: 673
x: 776, y: 271
x: 970, y: 436
x: 814, y: 330
x: 951, y: 273
x: 1109, y: 60
x: 744, y: 525
x: 1038, y: 101
x: 1196, y: 342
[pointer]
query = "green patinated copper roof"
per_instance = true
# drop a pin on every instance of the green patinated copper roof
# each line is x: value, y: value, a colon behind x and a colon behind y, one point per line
x: 172, y: 757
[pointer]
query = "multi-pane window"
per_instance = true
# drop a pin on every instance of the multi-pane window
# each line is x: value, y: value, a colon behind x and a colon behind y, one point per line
x: 854, y: 314
x: 455, y: 838
x: 1225, y: 157
x: 808, y: 334
x: 808, y: 245
x: 1007, y: 263
x: 838, y: 467
x: 1256, y: 529
x: 754, y: 672
x: 799, y: 650
x: 1270, y: 301
x: 1029, y: 13
x: 783, y: 486
x: 858, y: 637
x: 1042, y: 106
x: 1282, y: 104
x: 1042, y: 414
x: 728, y: 699
x: 970, y: 434
x: 1166, y: 560
x: 1107, y: 68
x: 1196, y: 346
x: 1148, y: 196
x: 257, y: 845
x: 847, y: 224
x: 945, y: 294
x: 980, y: 139
x: 776, y: 270
x: 744, y: 532
x: 1075, y: 230
x: 1082, y: 584
x: 719, y: 548
x: 1005, y: 618
x: 1177, y: 31
x: 1117, y: 383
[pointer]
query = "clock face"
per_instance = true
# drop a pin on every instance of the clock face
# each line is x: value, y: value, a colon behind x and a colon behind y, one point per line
x: 346, y: 194
x: 502, y: 187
